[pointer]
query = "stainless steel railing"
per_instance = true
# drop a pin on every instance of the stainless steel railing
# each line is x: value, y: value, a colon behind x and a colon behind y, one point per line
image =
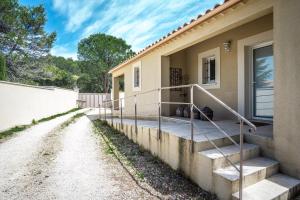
x: 159, y: 103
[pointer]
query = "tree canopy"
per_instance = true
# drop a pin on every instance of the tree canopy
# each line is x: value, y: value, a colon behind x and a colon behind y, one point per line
x: 22, y: 37
x: 97, y: 55
x: 25, y: 47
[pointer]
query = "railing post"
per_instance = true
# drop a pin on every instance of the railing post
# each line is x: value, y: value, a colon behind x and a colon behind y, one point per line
x: 100, y: 110
x: 192, y: 118
x: 241, y: 160
x: 159, y: 113
x: 135, y: 114
x: 121, y: 109
x: 104, y: 111
x: 112, y: 113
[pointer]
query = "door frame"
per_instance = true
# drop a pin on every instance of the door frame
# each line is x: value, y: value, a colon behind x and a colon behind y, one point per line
x: 243, y: 53
x: 251, y: 78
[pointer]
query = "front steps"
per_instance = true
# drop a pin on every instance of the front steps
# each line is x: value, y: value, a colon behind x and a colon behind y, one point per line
x: 257, y: 169
x: 211, y: 171
x: 278, y: 186
x: 261, y: 180
x: 212, y: 159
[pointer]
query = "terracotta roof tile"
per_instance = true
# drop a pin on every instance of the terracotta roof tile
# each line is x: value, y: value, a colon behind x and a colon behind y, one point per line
x: 179, y: 28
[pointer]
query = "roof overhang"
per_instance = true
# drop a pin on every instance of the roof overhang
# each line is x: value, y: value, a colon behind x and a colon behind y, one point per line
x: 209, y: 14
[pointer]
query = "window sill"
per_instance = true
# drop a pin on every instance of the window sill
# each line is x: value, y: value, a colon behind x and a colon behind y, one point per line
x: 211, y: 86
x: 136, y: 89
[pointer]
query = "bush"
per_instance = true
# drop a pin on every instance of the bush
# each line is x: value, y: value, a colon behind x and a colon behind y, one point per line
x: 2, y: 68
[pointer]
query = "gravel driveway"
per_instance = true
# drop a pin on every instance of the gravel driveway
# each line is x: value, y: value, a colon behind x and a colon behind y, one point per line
x: 65, y: 159
x: 48, y: 162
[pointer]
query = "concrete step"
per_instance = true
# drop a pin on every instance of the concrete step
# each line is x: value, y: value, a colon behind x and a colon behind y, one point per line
x: 278, y: 186
x: 210, y: 160
x: 226, y: 180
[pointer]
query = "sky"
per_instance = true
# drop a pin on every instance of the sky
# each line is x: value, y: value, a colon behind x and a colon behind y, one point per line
x: 139, y: 23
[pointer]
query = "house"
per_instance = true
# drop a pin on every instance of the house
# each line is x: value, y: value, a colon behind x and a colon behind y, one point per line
x: 245, y: 54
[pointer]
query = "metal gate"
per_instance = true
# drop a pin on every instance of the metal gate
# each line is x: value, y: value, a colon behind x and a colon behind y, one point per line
x: 92, y: 100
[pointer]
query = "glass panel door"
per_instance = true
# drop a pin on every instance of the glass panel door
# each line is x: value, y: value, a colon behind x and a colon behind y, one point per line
x: 263, y: 87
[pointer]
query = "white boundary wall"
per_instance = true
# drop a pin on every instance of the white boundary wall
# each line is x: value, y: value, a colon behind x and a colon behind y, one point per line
x: 20, y: 104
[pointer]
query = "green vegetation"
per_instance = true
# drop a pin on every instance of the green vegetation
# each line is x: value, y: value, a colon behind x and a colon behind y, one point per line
x: 25, y: 45
x: 71, y: 120
x: 2, y: 68
x: 57, y: 115
x: 97, y: 55
x: 34, y: 122
x: 13, y: 130
x: 23, y: 39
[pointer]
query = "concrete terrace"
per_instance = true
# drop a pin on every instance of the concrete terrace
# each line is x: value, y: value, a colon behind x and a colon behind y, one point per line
x: 181, y: 127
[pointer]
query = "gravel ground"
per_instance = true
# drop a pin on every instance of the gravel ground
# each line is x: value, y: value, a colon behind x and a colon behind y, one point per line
x: 149, y: 173
x: 65, y: 159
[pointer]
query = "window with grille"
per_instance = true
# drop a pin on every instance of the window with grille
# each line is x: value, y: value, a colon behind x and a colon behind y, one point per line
x: 136, y: 76
x: 209, y: 70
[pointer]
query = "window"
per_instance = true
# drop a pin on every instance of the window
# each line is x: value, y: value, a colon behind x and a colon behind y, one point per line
x: 209, y: 68
x: 137, y: 76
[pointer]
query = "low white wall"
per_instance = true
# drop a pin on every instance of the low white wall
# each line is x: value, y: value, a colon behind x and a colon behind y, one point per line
x: 20, y: 104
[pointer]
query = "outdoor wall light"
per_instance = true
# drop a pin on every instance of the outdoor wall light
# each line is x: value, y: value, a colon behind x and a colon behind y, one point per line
x: 227, y: 46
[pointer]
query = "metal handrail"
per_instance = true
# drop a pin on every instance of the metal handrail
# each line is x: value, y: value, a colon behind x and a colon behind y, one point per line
x: 217, y: 126
x: 242, y: 120
x: 226, y: 106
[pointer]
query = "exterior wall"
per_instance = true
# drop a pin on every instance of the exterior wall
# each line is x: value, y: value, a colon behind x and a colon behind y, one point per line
x: 20, y: 104
x: 287, y: 92
x: 150, y: 79
x: 228, y: 90
x: 155, y: 64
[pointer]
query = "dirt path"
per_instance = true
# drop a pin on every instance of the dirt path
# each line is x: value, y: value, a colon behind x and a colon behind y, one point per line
x: 17, y: 152
x: 46, y: 162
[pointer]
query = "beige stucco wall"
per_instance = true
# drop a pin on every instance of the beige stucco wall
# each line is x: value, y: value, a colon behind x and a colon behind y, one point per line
x: 287, y: 82
x: 150, y: 79
x: 227, y: 92
x: 154, y: 63
x: 20, y: 104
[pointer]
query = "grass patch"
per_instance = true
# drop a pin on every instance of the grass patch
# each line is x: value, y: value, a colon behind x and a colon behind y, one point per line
x: 19, y: 128
x: 71, y: 120
x: 147, y: 170
x: 13, y: 130
x: 57, y: 115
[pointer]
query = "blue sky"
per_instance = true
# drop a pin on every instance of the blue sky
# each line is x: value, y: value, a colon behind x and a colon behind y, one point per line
x: 139, y: 23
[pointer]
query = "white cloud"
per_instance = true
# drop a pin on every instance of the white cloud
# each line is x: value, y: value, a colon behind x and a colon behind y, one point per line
x: 64, y: 52
x: 141, y: 22
x: 76, y: 11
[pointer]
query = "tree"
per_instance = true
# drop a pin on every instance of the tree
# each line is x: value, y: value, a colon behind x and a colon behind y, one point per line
x: 22, y: 37
x: 97, y: 55
x: 57, y: 71
x: 2, y: 68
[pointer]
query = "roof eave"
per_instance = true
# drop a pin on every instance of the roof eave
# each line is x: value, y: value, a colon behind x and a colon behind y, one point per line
x: 205, y: 17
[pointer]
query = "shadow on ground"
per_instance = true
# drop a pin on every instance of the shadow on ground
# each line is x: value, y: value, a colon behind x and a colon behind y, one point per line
x: 148, y: 171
